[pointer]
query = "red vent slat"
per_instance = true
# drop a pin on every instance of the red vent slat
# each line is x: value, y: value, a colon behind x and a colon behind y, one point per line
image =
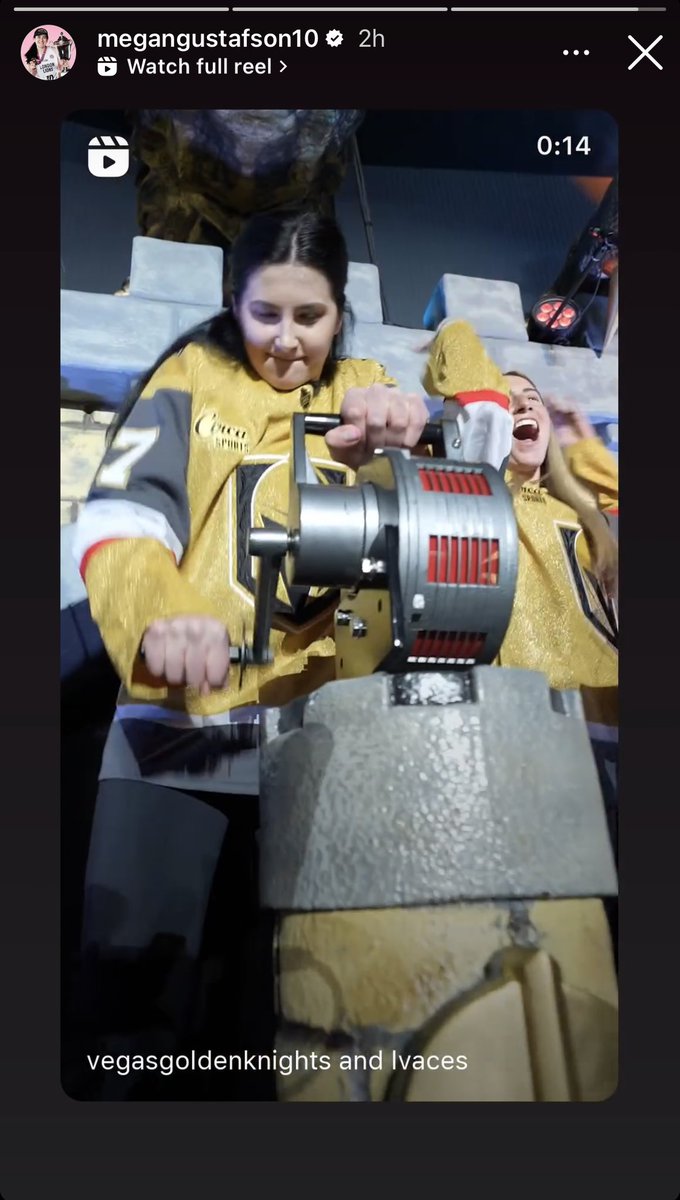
x: 474, y: 560
x: 494, y: 565
x: 458, y: 646
x: 432, y: 560
x: 488, y: 569
x: 471, y: 561
x: 443, y: 644
x: 443, y: 559
x: 423, y: 645
x: 483, y: 562
x: 453, y: 561
x: 467, y: 483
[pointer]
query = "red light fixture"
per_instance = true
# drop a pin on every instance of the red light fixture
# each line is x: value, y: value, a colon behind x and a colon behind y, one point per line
x: 553, y: 319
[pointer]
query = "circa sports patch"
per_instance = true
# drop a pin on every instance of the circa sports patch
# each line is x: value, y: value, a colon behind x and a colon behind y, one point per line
x: 209, y: 427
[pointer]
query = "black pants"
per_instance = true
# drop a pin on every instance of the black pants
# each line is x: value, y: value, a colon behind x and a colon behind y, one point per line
x: 175, y: 955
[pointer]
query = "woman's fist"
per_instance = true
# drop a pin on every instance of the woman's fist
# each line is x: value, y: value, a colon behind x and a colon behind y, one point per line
x: 375, y: 417
x: 188, y: 651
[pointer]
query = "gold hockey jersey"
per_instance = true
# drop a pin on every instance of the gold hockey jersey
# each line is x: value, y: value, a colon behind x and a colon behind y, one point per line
x: 202, y: 458
x: 562, y: 623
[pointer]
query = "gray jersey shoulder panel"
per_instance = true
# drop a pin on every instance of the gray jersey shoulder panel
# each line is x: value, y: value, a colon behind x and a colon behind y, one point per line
x: 158, y: 477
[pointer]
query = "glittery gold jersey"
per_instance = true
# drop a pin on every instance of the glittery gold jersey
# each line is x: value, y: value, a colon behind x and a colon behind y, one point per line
x: 202, y: 458
x: 562, y: 623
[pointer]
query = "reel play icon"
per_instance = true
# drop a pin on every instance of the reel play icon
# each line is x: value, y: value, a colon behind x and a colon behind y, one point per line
x: 108, y: 156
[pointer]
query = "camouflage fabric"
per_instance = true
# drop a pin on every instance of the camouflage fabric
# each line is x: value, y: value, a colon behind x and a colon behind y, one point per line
x: 203, y: 173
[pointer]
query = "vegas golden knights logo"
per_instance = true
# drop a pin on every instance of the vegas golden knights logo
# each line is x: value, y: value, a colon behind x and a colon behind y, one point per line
x: 596, y: 606
x: 302, y: 604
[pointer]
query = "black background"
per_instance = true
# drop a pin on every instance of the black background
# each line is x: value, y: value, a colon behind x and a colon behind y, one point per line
x: 625, y: 1147
x: 483, y: 141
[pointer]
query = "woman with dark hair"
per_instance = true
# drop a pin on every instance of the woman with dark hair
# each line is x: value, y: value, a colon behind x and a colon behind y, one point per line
x: 196, y: 458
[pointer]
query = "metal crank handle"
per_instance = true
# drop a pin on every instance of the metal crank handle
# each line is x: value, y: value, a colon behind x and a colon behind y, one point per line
x: 245, y: 655
x: 270, y: 546
x: 431, y: 435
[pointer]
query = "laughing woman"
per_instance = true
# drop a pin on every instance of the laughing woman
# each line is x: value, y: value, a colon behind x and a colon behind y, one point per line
x: 564, y: 618
x: 565, y: 487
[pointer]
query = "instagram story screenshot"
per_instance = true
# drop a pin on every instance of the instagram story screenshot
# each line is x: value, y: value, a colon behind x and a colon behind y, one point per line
x: 346, y: 774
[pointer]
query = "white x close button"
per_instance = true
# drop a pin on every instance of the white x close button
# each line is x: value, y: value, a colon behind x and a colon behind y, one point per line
x: 645, y: 52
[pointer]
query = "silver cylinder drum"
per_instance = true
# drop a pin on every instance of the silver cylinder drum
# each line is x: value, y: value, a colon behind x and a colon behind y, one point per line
x: 331, y: 526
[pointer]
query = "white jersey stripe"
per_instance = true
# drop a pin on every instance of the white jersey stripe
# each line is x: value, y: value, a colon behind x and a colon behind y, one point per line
x: 101, y: 520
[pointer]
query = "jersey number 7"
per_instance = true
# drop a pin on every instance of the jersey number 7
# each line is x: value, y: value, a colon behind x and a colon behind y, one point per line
x: 135, y: 443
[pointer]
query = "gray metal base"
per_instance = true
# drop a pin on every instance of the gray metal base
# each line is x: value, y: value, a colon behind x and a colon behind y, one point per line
x: 388, y: 791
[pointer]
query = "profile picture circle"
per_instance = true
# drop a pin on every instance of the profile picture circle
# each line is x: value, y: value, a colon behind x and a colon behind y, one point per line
x: 48, y: 52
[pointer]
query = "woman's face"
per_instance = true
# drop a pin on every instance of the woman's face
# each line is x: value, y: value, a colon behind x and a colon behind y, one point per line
x: 288, y: 319
x: 531, y: 428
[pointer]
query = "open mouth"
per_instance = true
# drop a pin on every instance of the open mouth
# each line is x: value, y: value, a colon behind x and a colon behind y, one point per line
x: 526, y: 429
